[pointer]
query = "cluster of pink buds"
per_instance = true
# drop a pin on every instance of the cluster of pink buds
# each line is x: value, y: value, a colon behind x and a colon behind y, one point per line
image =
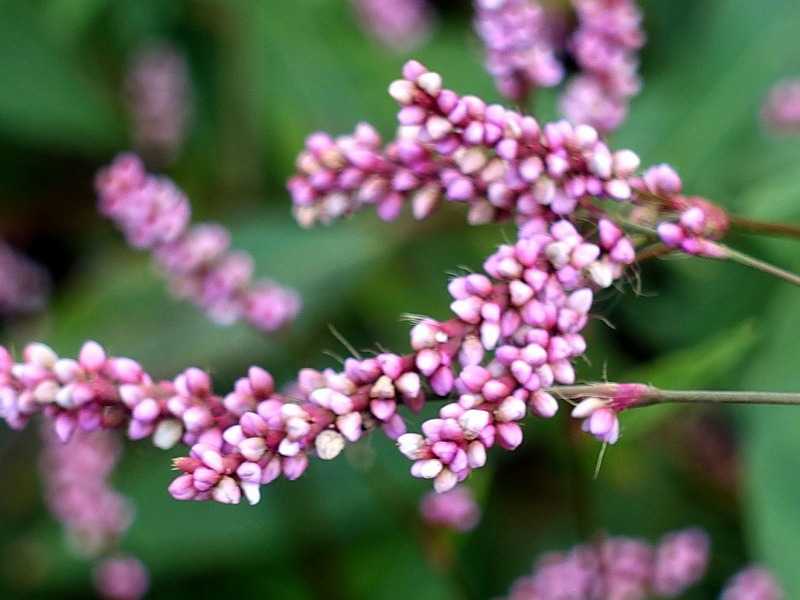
x: 100, y: 392
x: 781, y: 110
x: 600, y: 414
x: 529, y: 315
x: 699, y: 224
x: 455, y: 509
x: 157, y: 90
x: 24, y: 285
x: 618, y: 569
x: 121, y: 578
x: 155, y: 215
x: 604, y: 46
x: 521, y: 40
x: 499, y: 162
x: 398, y: 24
x: 77, y: 489
x: 753, y: 583
x: 276, y: 434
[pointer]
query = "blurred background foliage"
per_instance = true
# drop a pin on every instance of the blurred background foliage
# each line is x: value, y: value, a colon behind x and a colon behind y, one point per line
x: 264, y: 75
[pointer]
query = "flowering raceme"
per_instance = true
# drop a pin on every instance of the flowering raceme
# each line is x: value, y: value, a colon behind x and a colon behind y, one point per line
x: 604, y: 46
x: 618, y: 568
x: 24, y: 285
x: 524, y: 43
x: 155, y: 215
x: 398, y: 24
x: 521, y: 38
x: 157, y: 90
x: 455, y: 509
x: 94, y: 516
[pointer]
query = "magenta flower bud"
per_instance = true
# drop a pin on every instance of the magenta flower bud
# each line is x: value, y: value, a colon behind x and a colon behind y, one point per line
x: 227, y: 491
x: 581, y: 300
x: 474, y: 377
x: 412, y: 445
x: 693, y: 219
x: 473, y: 422
x: 681, y: 561
x: 426, y: 468
x: 350, y: 426
x: 428, y: 361
x: 671, y: 234
x: 182, y: 488
x: 509, y: 435
x: 394, y: 427
x: 442, y: 381
x: 583, y: 255
x: 391, y: 364
x: 751, y: 584
x: 471, y: 352
x: 92, y: 356
x: 147, y: 410
x: 476, y: 454
x: 543, y: 404
x: 521, y: 371
x: 121, y: 578
x: 445, y: 481
x: 510, y: 409
x: 663, y: 180
x: 383, y: 410
x: 495, y: 390
x: 294, y: 466
x: 197, y: 418
x: 507, y: 354
x: 610, y: 233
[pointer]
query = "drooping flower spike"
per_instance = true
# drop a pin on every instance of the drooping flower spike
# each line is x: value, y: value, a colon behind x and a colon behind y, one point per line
x: 155, y: 215
x: 781, y: 110
x: 158, y: 95
x: 399, y: 25
x: 24, y: 285
x: 618, y: 568
x: 522, y: 41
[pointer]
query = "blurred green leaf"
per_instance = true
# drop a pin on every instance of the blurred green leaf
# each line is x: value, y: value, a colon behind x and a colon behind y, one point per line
x: 48, y: 98
x: 694, y: 368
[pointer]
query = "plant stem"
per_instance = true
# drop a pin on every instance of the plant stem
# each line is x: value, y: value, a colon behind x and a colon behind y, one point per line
x: 652, y: 395
x: 749, y: 261
x: 756, y: 226
x: 728, y: 254
x: 654, y: 251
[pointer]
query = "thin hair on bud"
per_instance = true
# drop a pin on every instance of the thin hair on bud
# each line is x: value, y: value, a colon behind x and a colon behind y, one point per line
x: 343, y: 341
x: 600, y: 458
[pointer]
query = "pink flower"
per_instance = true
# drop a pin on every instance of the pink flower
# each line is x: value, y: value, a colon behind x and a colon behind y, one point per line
x: 121, y: 578
x: 157, y: 89
x: 681, y: 561
x: 781, y: 110
x: 24, y: 285
x: 155, y: 215
x: 521, y: 40
x: 398, y: 24
x: 753, y: 583
x: 604, y: 46
x: 455, y: 509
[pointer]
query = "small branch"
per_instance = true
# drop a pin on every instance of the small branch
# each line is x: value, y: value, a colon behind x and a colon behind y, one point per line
x: 756, y: 226
x: 727, y: 253
x: 654, y: 251
x: 760, y: 265
x: 650, y: 395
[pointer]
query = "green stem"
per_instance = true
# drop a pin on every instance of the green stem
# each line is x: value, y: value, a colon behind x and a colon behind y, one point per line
x: 749, y: 261
x: 756, y: 226
x: 652, y: 395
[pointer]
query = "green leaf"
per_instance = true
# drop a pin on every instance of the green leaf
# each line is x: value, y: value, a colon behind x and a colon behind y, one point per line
x: 48, y: 98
